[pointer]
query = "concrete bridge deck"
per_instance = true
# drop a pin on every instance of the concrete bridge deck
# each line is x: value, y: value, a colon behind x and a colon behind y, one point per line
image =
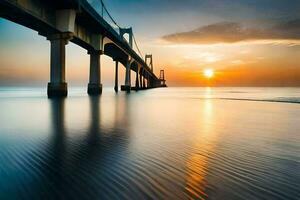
x: 61, y: 21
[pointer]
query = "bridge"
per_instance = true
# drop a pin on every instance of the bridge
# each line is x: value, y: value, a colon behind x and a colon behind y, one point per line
x: 77, y: 21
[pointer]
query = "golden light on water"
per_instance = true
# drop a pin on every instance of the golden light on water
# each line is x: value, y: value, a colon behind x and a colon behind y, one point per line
x: 208, y: 73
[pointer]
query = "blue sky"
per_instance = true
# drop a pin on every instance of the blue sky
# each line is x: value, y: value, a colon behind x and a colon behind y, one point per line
x: 177, y: 15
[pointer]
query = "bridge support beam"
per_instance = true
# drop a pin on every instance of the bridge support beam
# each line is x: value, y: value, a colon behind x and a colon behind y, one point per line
x: 127, y: 86
x: 95, y: 86
x: 137, y: 84
x: 141, y: 78
x: 57, y: 87
x: 147, y: 78
x: 116, y: 77
x: 144, y: 82
x: 149, y: 82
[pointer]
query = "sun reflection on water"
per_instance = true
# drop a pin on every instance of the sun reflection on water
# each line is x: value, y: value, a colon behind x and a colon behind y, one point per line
x: 198, y: 163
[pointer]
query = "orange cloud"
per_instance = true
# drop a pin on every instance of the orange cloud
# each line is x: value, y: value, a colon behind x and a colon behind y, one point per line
x: 232, y: 32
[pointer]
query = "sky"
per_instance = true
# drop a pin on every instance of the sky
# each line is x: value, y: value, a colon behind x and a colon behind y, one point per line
x: 245, y: 43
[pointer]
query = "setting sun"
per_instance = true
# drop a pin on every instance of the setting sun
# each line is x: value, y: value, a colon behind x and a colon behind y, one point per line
x: 208, y: 73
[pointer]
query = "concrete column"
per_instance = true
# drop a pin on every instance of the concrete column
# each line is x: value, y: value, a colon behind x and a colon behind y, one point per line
x: 95, y: 86
x: 144, y: 82
x: 129, y: 32
x: 128, y: 75
x: 150, y: 82
x: 127, y: 86
x: 147, y: 79
x: 141, y: 72
x: 116, y: 77
x: 137, y: 85
x: 57, y: 87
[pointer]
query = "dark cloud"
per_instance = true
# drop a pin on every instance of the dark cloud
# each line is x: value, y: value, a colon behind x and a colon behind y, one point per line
x: 231, y: 32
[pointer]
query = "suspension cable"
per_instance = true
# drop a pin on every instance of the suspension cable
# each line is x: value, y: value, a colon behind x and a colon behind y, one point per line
x: 103, y: 7
x: 109, y: 15
x: 137, y: 45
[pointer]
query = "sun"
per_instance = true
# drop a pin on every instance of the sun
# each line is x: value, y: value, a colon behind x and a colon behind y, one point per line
x: 208, y: 73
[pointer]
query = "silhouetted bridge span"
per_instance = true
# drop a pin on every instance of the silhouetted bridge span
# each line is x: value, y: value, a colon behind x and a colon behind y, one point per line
x: 61, y: 21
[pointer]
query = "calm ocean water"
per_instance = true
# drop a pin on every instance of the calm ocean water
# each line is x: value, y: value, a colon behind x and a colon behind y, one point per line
x: 171, y: 143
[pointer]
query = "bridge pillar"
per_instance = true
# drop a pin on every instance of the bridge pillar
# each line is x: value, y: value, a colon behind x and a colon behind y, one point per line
x: 141, y: 78
x: 150, y: 82
x: 150, y: 57
x: 147, y: 81
x: 116, y: 77
x: 144, y: 82
x: 95, y: 86
x: 137, y: 85
x: 57, y: 87
x: 127, y: 86
x: 129, y: 32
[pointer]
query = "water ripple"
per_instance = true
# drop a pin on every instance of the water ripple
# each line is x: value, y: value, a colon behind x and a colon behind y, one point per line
x: 120, y: 148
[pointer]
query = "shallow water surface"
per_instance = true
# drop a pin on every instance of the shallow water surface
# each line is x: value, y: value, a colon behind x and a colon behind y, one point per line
x: 171, y: 143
